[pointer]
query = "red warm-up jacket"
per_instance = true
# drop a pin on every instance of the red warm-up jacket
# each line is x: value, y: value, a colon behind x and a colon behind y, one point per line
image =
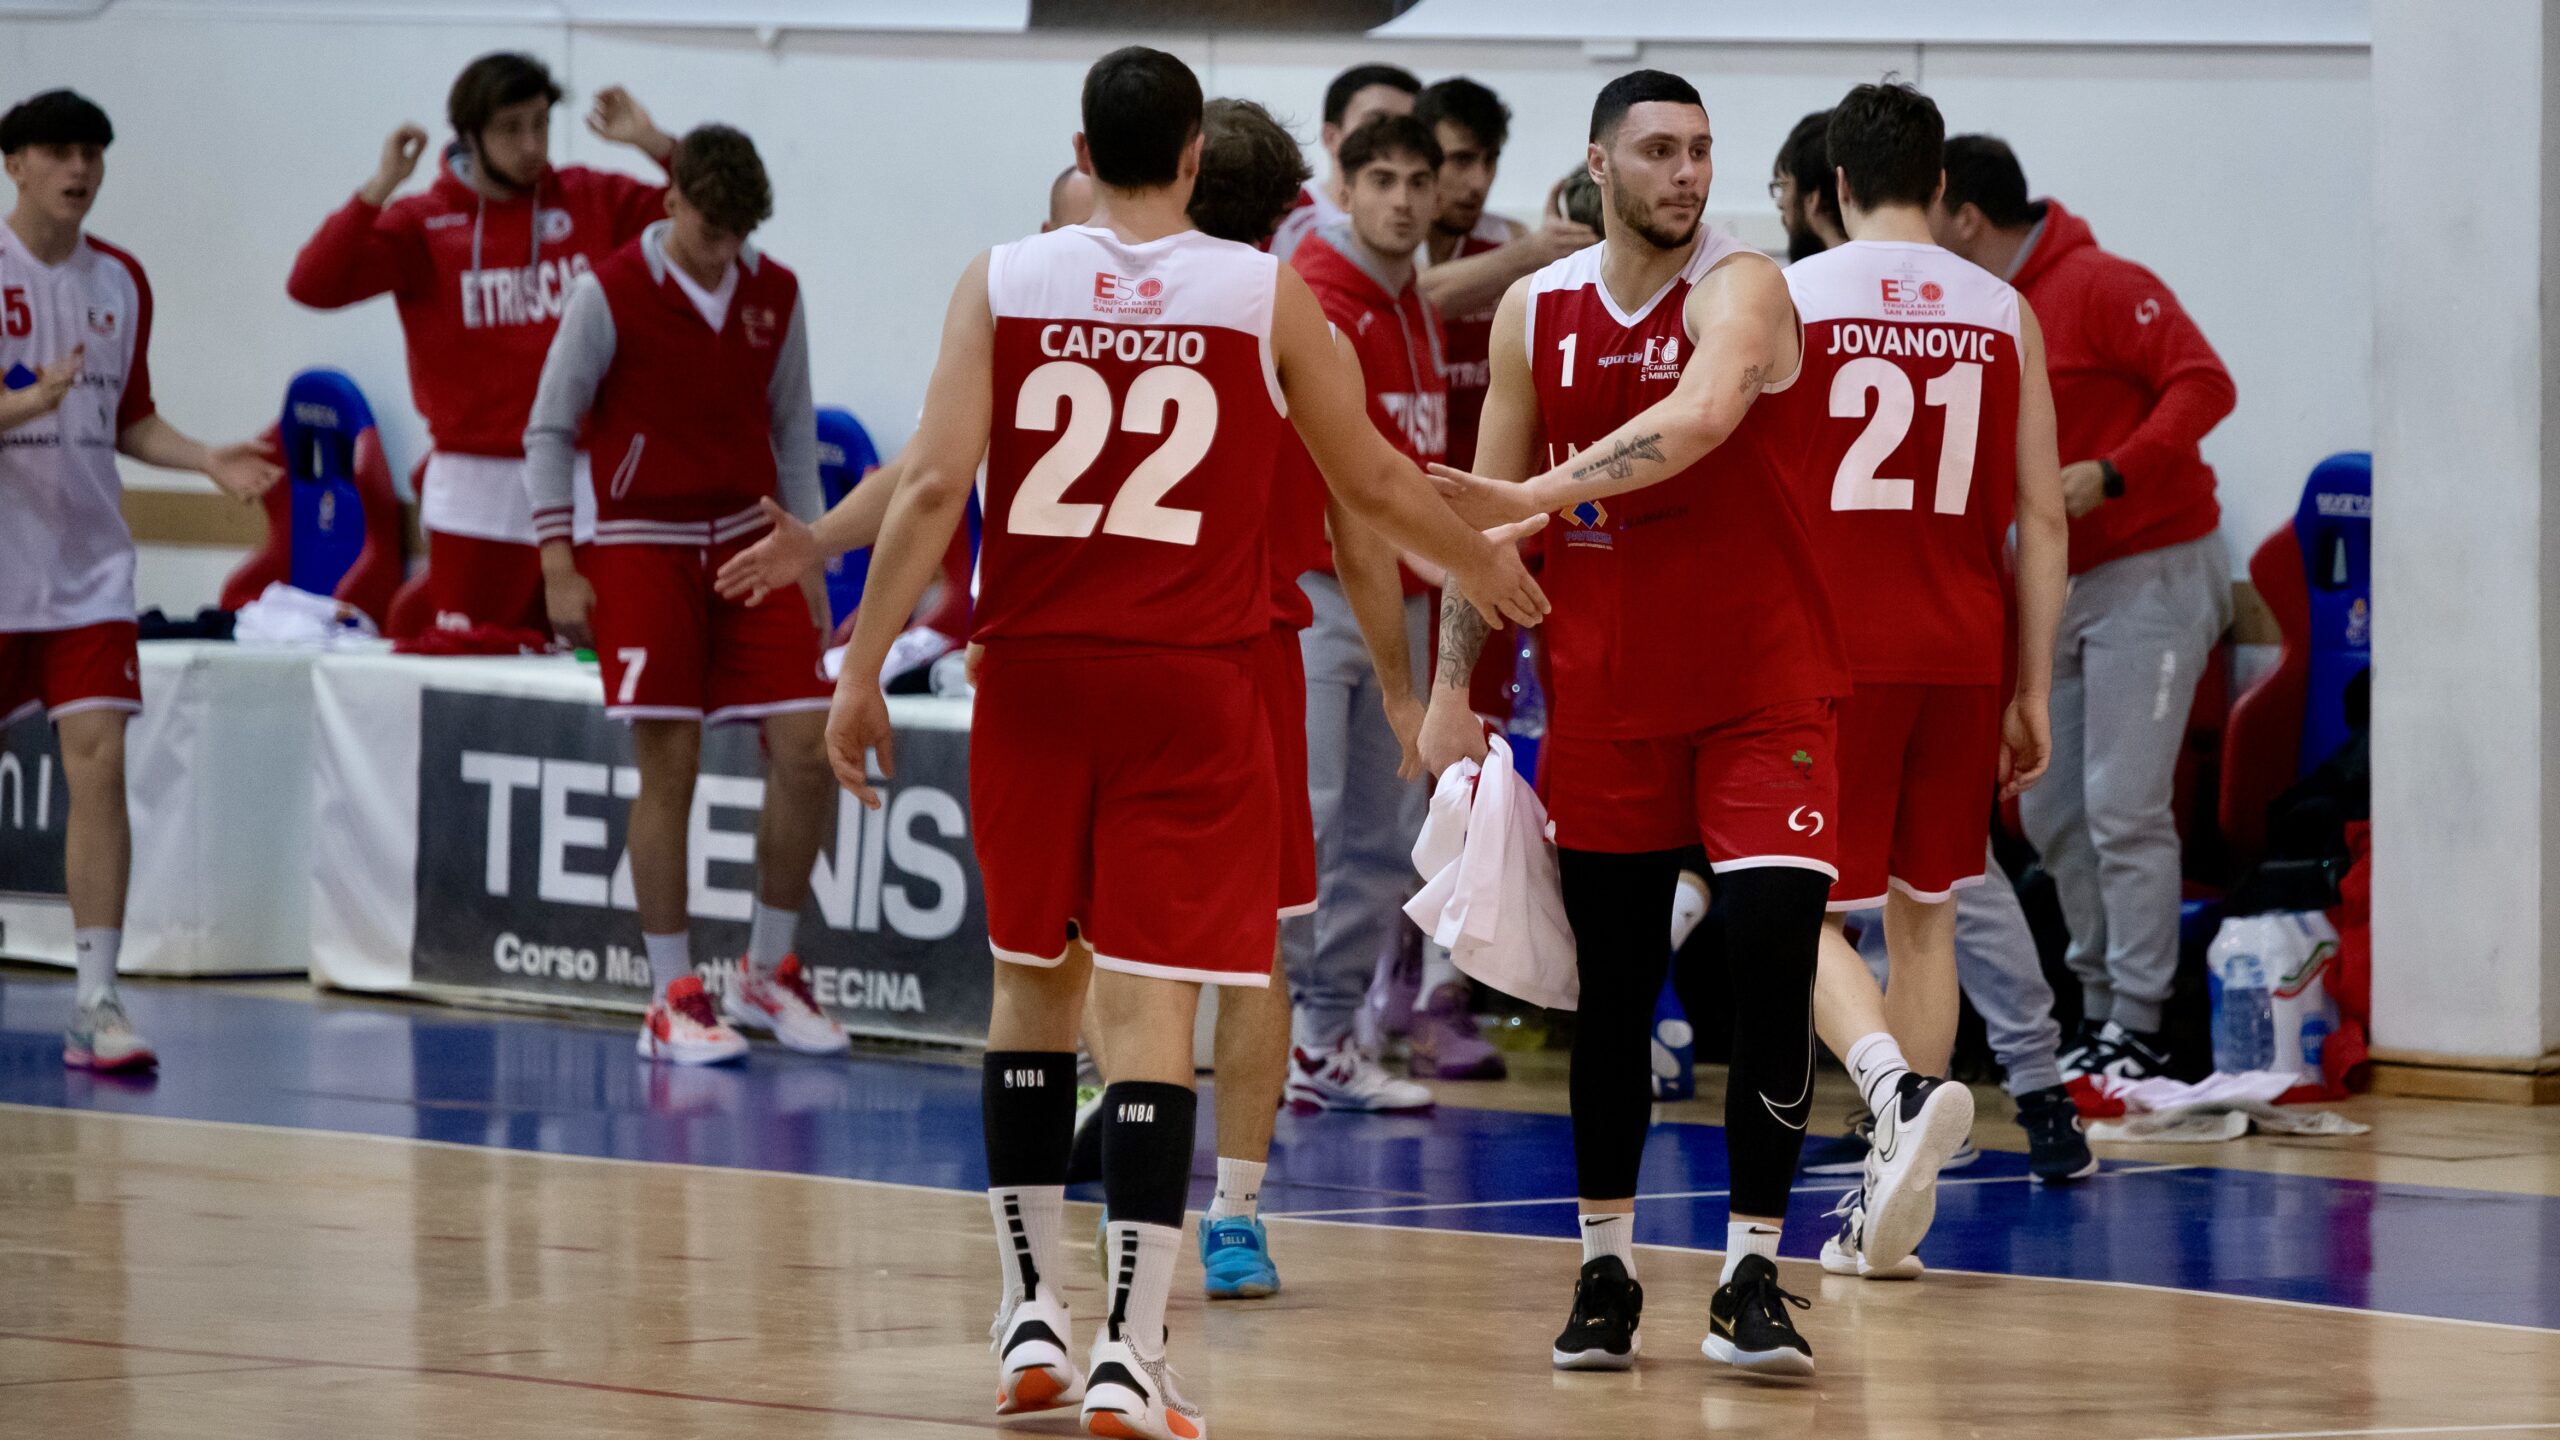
x: 480, y: 283
x: 2134, y: 383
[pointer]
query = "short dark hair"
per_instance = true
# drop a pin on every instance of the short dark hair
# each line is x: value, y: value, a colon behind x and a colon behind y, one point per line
x: 1891, y: 142
x: 1389, y: 135
x: 1806, y: 159
x: 718, y: 172
x: 1471, y: 107
x: 492, y: 83
x: 1337, y: 96
x: 1250, y: 169
x: 56, y: 117
x: 1635, y: 88
x: 1141, y: 108
x: 1982, y: 171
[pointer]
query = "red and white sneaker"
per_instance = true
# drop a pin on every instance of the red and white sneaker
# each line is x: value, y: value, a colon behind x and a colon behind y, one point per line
x: 682, y: 1028
x: 781, y: 1002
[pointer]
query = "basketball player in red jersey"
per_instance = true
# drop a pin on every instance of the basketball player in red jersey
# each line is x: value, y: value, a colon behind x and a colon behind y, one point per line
x: 685, y: 357
x: 1696, y: 665
x: 1119, y: 773
x: 481, y: 264
x: 1919, y: 364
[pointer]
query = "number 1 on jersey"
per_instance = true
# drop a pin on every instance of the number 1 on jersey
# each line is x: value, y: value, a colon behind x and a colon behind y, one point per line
x: 1040, y: 506
x: 1958, y: 392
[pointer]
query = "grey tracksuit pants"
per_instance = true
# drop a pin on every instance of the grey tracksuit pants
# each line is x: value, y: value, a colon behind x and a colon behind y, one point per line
x: 1997, y: 966
x: 1366, y: 819
x: 2135, y: 634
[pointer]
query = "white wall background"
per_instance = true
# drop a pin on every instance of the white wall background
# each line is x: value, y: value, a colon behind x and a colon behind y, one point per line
x: 2241, y: 174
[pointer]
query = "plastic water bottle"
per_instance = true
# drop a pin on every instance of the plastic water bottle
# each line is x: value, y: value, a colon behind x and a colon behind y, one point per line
x: 2244, y: 1028
x: 1528, y: 711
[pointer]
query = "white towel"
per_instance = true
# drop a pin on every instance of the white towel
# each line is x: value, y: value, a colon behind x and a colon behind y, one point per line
x: 1490, y: 893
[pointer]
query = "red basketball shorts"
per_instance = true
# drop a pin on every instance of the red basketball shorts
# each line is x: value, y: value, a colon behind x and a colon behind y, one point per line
x: 1761, y: 789
x: 1126, y: 798
x: 1918, y: 768
x: 95, y: 667
x: 1280, y: 673
x: 471, y: 581
x: 673, y: 650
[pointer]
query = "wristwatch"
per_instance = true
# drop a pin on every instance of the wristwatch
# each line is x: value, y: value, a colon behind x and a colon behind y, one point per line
x: 2110, y: 479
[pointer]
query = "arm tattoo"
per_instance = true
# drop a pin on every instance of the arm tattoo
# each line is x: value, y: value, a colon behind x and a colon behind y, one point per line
x: 1621, y: 460
x: 1462, y: 636
x: 1754, y: 379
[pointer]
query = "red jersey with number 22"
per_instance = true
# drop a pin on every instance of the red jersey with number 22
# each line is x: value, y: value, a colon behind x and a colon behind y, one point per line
x: 1694, y: 601
x: 1129, y: 465
x: 1910, y: 385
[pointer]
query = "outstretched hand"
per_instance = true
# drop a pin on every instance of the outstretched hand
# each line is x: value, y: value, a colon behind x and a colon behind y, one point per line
x: 1484, y: 503
x: 784, y: 557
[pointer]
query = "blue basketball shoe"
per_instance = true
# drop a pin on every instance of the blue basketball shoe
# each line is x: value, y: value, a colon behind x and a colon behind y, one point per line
x: 1236, y: 1254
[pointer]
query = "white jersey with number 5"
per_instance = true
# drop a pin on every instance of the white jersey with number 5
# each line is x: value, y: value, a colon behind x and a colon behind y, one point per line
x: 1910, y: 390
x: 1137, y: 413
x: 66, y: 558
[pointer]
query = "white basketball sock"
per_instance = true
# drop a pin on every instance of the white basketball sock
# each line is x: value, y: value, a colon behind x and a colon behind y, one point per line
x: 95, y: 951
x: 1743, y: 1238
x: 1141, y: 1281
x: 769, y: 936
x: 1876, y: 1063
x: 1239, y: 1189
x: 1028, y: 1221
x: 670, y: 958
x: 1609, y: 1234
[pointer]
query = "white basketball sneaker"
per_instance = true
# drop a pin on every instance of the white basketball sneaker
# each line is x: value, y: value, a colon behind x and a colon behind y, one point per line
x: 101, y: 1038
x: 1035, y: 1368
x: 682, y: 1028
x: 1345, y: 1078
x: 1845, y: 1252
x: 1130, y: 1396
x: 1917, y: 1132
x: 781, y: 1003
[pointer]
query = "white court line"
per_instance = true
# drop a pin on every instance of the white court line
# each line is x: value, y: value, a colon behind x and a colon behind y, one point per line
x: 948, y: 1193
x: 2409, y: 1430
x: 2353, y: 1433
x: 1665, y: 1195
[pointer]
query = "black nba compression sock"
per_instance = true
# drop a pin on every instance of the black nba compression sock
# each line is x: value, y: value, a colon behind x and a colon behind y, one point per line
x: 1619, y: 907
x: 1147, y: 1131
x: 1770, y: 921
x: 1028, y: 1102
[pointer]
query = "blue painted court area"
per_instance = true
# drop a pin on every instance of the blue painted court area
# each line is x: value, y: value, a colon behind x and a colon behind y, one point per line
x: 577, y: 1089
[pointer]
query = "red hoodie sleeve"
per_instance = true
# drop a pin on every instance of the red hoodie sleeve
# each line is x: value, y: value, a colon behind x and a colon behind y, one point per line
x: 633, y: 205
x: 359, y: 252
x: 2136, y: 325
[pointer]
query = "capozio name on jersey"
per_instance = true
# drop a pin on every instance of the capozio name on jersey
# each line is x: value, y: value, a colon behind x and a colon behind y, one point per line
x: 1134, y: 344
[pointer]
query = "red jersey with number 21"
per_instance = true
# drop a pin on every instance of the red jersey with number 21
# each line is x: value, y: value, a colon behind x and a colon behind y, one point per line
x: 1910, y: 380
x: 1694, y: 601
x: 1129, y: 463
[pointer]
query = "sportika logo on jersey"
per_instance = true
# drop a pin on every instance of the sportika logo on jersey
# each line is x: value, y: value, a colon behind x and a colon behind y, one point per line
x: 104, y: 322
x: 1120, y: 295
x: 519, y: 295
x: 1660, y: 358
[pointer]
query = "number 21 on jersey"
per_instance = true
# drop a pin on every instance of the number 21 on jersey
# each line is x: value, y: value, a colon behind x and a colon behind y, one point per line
x: 1072, y: 398
x: 1958, y: 392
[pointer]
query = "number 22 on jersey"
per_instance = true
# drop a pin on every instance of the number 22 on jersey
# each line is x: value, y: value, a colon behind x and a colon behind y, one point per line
x: 1958, y: 392
x: 1072, y: 399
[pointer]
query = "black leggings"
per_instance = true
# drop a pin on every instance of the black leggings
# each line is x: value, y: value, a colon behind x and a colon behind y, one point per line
x: 1768, y: 925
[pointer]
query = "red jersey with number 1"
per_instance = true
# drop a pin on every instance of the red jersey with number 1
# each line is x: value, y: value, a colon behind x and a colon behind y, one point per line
x: 1694, y: 601
x: 1910, y: 390
x: 1129, y: 465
